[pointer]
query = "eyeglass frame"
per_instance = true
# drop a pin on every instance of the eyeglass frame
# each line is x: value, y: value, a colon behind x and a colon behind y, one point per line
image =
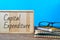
x: 49, y: 23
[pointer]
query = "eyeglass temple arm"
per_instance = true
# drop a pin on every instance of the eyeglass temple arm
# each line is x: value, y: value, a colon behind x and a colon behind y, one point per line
x: 53, y: 23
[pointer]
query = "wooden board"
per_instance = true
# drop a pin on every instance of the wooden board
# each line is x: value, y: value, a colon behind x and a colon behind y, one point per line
x: 16, y: 21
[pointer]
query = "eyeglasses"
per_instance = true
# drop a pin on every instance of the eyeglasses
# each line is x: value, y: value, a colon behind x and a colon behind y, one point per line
x: 49, y: 24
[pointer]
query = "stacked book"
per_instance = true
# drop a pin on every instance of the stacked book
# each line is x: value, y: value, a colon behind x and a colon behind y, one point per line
x: 46, y: 32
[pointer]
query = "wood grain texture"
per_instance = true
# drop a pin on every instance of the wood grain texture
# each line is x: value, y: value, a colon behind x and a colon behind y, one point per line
x: 21, y: 37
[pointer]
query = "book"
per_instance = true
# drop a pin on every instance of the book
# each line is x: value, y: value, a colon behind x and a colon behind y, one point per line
x: 39, y: 33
